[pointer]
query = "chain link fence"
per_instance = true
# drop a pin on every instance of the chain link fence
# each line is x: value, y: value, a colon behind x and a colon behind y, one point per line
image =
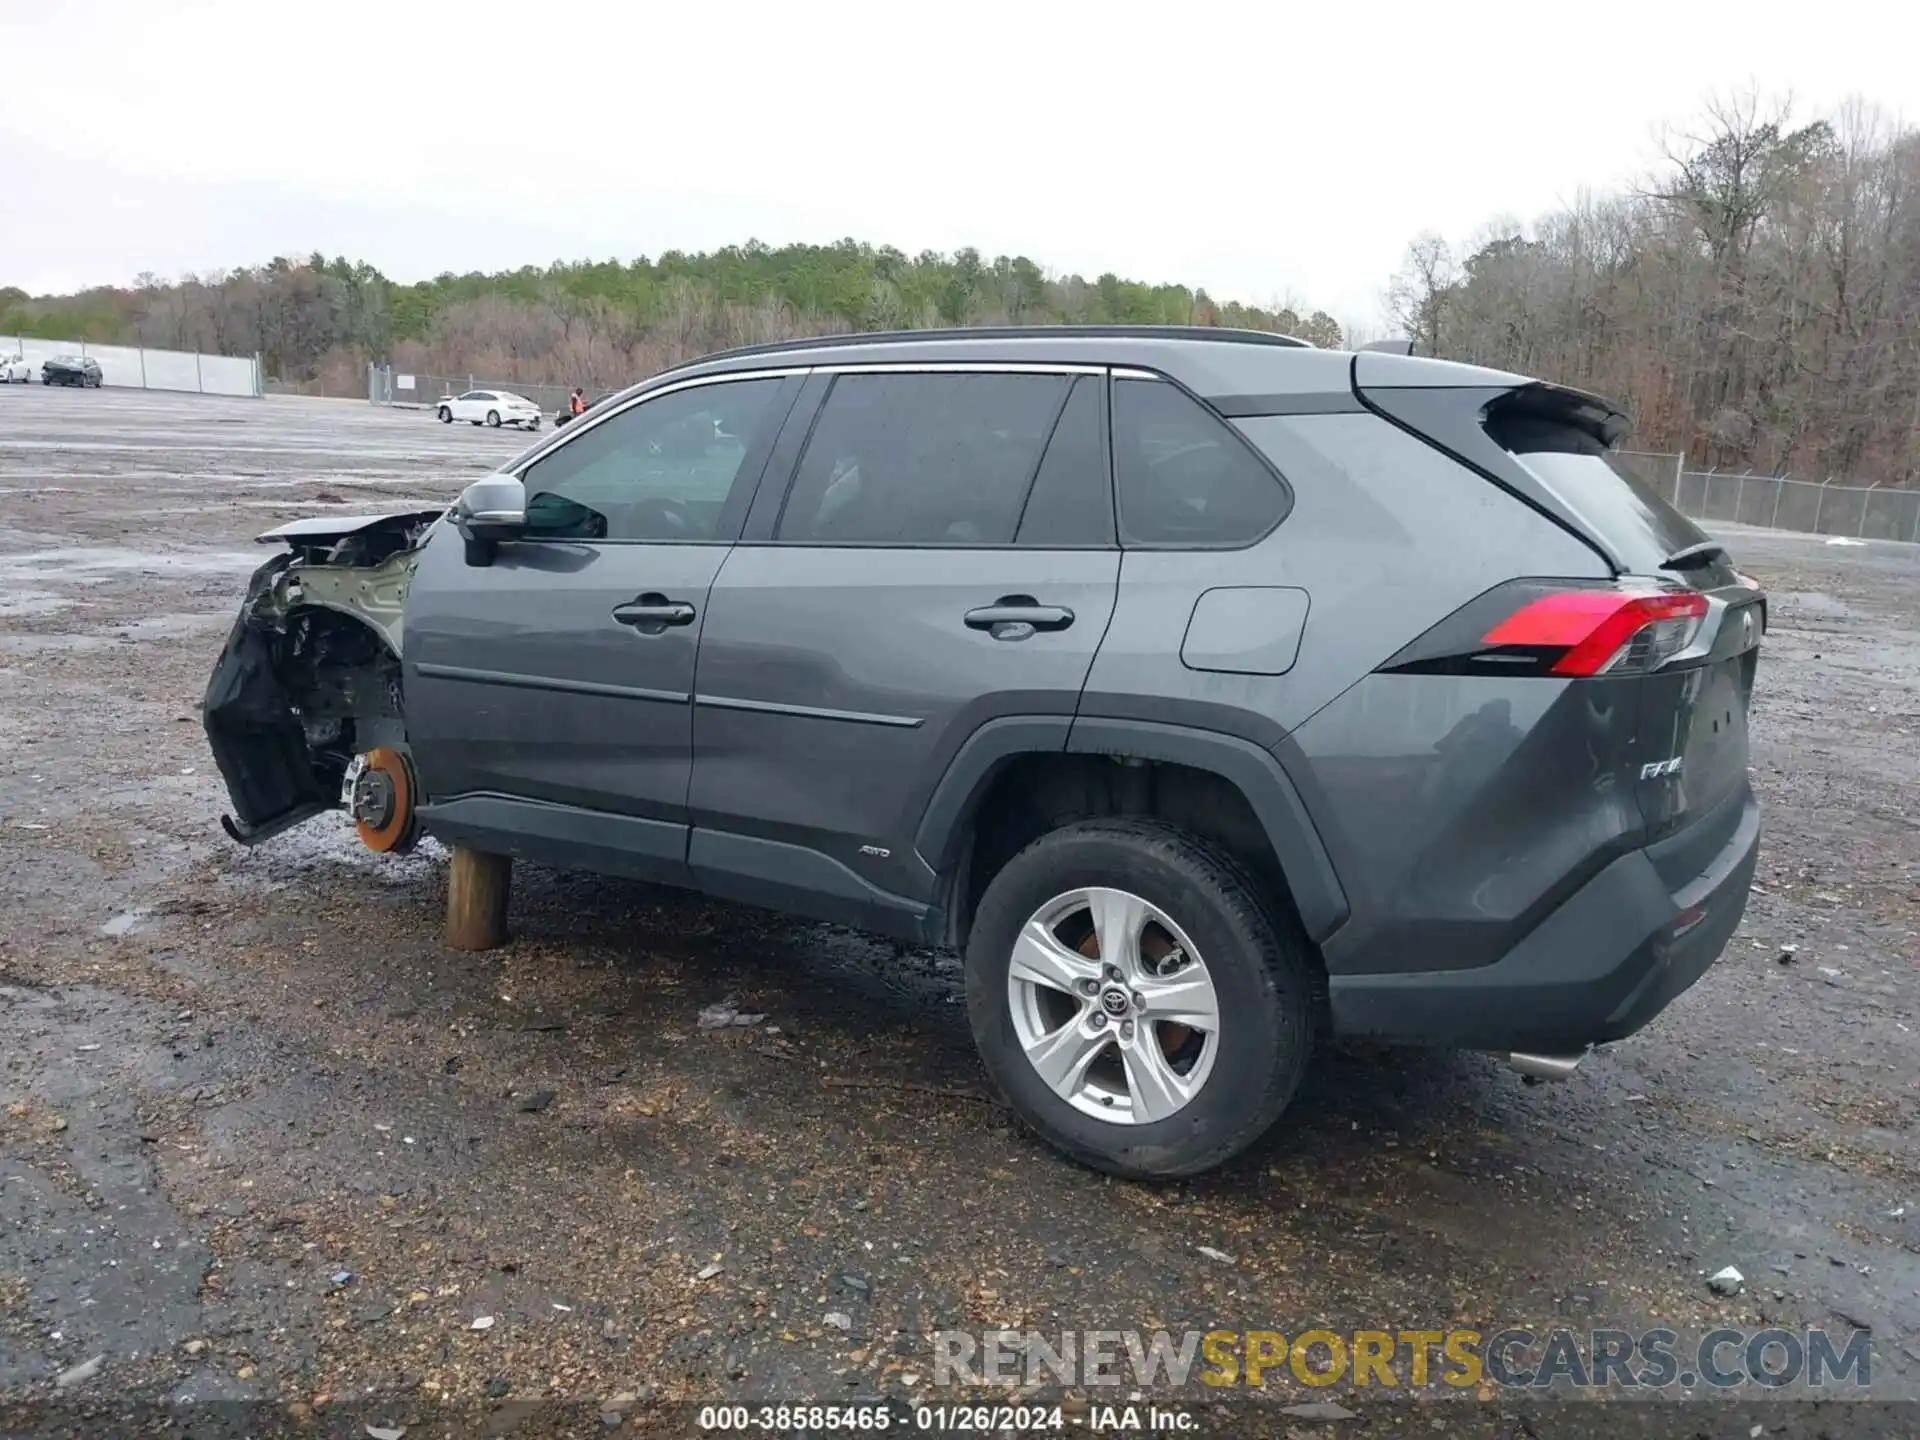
x: 1774, y: 502
x: 139, y: 367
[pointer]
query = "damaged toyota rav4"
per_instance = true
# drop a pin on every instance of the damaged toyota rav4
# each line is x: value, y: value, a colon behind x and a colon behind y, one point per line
x: 1209, y: 691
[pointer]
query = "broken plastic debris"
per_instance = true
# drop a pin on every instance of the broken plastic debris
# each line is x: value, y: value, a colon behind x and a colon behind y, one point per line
x: 386, y: 1432
x: 839, y: 1319
x: 1727, y: 1282
x: 481, y: 1322
x: 709, y: 1270
x: 80, y: 1373
x: 564, y: 1309
x: 1213, y: 1254
x: 724, y: 1015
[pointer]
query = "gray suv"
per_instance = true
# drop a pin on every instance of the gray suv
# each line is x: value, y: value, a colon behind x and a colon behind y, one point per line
x: 1210, y: 691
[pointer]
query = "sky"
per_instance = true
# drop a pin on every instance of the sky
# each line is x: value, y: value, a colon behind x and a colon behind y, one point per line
x: 1266, y: 152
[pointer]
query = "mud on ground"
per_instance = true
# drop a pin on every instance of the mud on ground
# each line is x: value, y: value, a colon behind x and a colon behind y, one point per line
x: 262, y: 1137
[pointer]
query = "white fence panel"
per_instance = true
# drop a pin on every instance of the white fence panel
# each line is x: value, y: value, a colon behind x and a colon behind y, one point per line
x: 137, y: 368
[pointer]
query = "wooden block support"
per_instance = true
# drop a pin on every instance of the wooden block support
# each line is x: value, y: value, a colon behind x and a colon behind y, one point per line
x: 477, y: 888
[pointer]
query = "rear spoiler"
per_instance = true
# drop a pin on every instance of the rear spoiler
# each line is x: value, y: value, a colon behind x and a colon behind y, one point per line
x: 1562, y: 404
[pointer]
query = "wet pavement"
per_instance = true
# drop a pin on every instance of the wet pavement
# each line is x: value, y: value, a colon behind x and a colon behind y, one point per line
x: 263, y: 1139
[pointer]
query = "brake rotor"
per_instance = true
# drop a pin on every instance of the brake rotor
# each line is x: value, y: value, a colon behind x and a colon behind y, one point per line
x: 380, y: 797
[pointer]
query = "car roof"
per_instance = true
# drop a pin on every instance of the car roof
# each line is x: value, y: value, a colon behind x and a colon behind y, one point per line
x: 1216, y: 362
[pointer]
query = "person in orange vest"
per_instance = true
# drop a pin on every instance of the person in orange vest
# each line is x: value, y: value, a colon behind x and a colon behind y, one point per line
x: 577, y: 402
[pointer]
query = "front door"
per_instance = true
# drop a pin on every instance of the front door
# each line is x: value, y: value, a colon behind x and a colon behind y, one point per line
x: 548, y: 693
x: 944, y: 558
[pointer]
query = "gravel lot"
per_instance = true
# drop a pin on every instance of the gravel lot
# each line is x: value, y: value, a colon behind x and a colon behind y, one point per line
x: 230, y: 1078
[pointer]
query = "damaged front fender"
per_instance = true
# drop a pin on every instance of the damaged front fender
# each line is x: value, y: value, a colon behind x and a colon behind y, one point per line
x: 310, y: 675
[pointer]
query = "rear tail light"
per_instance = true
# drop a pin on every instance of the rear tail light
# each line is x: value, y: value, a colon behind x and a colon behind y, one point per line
x: 1604, y: 632
x: 1563, y: 628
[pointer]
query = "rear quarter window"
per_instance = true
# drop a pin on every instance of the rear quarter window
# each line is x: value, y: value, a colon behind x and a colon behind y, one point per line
x: 1183, y: 476
x: 1617, y: 507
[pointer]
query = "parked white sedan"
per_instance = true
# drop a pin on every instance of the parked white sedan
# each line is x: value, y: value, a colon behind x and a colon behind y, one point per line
x: 15, y: 369
x: 490, y: 407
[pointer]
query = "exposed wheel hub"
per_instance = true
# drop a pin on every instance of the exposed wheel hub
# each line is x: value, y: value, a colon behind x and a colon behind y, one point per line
x: 372, y: 800
x: 379, y: 792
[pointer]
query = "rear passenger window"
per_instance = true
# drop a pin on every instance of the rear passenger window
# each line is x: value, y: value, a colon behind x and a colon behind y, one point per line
x: 926, y: 459
x: 1183, y: 477
x: 1072, y: 502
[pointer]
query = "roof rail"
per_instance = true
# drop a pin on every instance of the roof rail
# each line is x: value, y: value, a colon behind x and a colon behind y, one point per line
x: 1014, y: 332
x: 1390, y: 347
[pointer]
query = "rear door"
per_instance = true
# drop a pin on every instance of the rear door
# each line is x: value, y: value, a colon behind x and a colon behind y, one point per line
x: 1211, y: 615
x: 944, y: 557
x: 560, y: 675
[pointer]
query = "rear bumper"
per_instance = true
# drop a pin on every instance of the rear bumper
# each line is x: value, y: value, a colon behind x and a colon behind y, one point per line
x: 1602, y: 965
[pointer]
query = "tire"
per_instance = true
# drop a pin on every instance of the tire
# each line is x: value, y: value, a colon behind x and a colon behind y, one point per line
x: 533, y: 425
x: 493, y: 419
x: 1262, y: 977
x: 446, y: 416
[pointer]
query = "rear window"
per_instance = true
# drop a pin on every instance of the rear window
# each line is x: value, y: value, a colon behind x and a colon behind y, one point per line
x: 1619, y: 508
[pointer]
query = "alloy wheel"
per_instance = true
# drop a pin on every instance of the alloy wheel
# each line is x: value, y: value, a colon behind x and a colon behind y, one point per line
x: 1114, y: 1006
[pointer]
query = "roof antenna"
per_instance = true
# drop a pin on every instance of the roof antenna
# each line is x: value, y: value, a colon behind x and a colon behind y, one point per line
x: 1390, y: 347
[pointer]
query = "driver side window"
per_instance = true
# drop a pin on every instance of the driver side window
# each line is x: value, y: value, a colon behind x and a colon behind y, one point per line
x: 1182, y: 476
x: 660, y: 471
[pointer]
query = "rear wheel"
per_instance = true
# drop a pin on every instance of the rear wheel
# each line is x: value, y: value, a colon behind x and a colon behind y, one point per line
x: 1135, y: 1001
x: 493, y: 419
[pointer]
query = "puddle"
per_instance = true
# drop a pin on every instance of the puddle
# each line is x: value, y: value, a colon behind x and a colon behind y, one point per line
x: 161, y: 627
x: 51, y: 644
x: 34, y: 602
x: 126, y: 922
x: 1810, y: 602
x: 89, y: 565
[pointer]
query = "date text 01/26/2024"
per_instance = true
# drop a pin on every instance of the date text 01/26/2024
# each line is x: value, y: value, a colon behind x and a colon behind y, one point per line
x: 938, y: 1419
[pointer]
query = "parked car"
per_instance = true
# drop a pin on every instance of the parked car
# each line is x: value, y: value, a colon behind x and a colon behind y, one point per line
x: 15, y: 369
x: 490, y: 407
x: 1210, y: 692
x: 81, y: 370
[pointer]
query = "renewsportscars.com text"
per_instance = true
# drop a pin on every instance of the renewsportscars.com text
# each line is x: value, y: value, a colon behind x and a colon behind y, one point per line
x: 1457, y: 1359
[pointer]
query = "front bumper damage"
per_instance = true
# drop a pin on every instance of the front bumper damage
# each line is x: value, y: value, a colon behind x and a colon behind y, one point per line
x: 309, y: 678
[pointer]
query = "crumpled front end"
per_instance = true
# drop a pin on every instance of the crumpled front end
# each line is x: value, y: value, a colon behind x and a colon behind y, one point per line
x: 303, y: 711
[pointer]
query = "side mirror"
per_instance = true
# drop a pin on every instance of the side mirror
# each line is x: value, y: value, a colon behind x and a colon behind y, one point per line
x: 489, y: 511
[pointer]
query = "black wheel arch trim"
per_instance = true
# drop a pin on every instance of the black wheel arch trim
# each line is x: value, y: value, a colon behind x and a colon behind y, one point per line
x: 1258, y: 774
x: 986, y: 752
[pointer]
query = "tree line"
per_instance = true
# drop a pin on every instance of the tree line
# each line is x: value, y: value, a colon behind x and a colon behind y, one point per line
x: 1755, y: 302
x: 604, y: 324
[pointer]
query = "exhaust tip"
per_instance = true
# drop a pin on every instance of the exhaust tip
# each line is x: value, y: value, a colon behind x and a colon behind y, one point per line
x: 1545, y: 1067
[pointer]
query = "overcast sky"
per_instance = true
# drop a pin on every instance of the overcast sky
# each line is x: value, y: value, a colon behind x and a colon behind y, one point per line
x: 1263, y: 151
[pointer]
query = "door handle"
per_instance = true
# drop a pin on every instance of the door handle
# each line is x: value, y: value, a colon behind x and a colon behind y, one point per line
x: 651, y: 613
x: 1014, y: 617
